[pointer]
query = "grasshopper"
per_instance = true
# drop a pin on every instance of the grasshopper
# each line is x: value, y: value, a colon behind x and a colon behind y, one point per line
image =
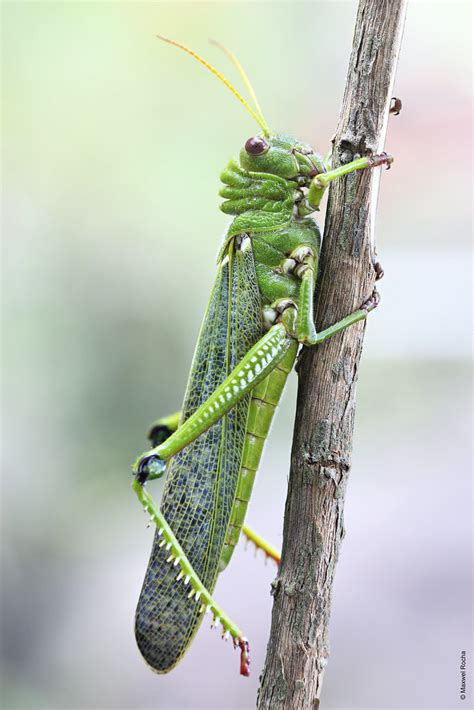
x: 259, y: 313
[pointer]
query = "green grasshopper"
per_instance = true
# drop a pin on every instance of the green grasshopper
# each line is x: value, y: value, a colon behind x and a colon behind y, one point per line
x: 260, y: 311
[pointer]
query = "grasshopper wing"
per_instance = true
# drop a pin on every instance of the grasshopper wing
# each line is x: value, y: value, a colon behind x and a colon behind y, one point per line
x: 201, y: 479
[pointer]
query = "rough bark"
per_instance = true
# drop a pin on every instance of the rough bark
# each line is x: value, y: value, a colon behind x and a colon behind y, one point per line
x: 298, y: 648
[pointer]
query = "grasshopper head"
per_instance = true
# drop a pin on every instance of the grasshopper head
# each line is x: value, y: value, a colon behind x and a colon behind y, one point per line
x: 281, y: 155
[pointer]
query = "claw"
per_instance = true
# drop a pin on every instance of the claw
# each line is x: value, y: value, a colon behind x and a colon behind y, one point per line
x: 379, y: 272
x: 244, y: 656
x: 380, y: 159
x: 396, y: 106
x: 371, y: 302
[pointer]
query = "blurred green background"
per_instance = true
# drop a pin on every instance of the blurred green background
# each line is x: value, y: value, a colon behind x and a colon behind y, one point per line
x: 112, y: 148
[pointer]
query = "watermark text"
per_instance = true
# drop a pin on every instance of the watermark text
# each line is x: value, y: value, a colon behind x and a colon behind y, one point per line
x: 462, y: 668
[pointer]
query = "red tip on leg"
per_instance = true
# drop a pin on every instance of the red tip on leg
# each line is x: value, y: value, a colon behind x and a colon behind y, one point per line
x: 380, y: 159
x: 244, y: 657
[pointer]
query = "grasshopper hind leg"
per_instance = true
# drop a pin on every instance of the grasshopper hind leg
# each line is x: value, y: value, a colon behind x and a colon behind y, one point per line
x: 162, y: 428
x: 158, y: 434
x: 159, y: 431
x: 171, y: 586
x: 149, y: 468
x: 152, y: 467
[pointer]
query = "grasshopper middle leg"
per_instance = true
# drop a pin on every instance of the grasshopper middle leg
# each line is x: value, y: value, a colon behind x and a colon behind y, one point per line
x: 253, y: 368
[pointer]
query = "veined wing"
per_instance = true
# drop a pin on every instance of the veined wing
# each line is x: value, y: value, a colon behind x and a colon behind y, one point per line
x: 201, y: 480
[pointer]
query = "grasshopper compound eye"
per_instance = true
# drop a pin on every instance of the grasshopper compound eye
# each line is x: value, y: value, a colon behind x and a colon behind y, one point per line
x: 256, y: 146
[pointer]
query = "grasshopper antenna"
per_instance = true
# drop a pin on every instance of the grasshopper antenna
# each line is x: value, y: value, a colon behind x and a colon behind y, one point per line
x: 242, y: 73
x: 257, y: 116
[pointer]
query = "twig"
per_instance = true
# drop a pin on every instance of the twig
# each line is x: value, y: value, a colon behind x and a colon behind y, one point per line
x: 298, y: 647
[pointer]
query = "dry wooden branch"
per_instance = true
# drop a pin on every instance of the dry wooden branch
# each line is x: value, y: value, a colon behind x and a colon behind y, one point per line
x: 298, y: 647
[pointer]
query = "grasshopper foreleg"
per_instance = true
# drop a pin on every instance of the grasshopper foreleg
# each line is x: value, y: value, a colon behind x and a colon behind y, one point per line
x: 320, y: 183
